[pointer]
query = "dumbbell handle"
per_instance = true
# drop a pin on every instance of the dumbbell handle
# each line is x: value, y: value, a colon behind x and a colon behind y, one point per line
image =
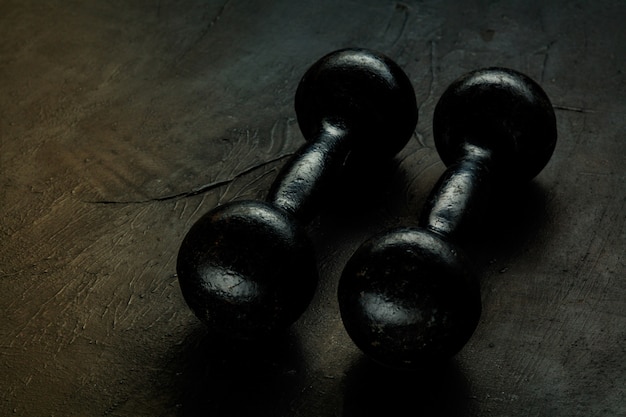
x: 305, y: 180
x: 460, y: 196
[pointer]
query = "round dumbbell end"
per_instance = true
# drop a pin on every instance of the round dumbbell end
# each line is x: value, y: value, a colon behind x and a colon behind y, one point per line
x: 361, y: 91
x: 407, y: 299
x: 501, y: 110
x: 247, y: 270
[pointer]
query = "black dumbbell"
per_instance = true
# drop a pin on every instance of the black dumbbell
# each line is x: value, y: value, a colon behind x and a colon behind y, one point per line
x: 247, y: 268
x: 408, y: 298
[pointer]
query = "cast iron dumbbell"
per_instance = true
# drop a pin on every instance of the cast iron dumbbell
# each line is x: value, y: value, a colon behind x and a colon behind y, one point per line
x: 247, y: 268
x: 408, y: 297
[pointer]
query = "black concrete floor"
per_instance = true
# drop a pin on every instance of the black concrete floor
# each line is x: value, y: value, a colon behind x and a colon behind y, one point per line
x: 113, y: 112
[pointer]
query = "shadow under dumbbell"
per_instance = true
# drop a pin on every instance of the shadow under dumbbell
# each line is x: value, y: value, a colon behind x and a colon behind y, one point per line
x: 515, y: 222
x: 373, y: 390
x: 220, y: 378
x: 366, y: 198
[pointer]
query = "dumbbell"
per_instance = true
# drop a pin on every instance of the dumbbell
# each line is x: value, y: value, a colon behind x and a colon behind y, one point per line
x: 247, y: 268
x: 408, y: 298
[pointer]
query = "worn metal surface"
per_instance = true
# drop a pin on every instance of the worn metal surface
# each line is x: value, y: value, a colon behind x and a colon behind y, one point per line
x: 121, y: 123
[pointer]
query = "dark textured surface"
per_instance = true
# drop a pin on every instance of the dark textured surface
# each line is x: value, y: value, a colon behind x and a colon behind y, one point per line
x: 121, y: 123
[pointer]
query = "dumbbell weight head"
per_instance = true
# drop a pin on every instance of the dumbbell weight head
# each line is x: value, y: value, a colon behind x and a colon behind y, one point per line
x: 408, y: 298
x: 247, y: 269
x: 501, y: 110
x: 363, y: 91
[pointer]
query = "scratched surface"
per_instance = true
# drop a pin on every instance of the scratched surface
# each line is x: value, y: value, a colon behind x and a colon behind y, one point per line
x: 122, y: 122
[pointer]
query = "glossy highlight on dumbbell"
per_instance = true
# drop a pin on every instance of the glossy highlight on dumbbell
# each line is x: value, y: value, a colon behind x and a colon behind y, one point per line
x: 247, y: 268
x: 408, y: 297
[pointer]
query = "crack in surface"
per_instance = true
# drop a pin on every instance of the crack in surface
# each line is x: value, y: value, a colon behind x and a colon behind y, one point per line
x: 546, y: 56
x: 212, y: 23
x: 204, y: 31
x: 198, y: 190
x: 573, y: 109
x: 399, y: 8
